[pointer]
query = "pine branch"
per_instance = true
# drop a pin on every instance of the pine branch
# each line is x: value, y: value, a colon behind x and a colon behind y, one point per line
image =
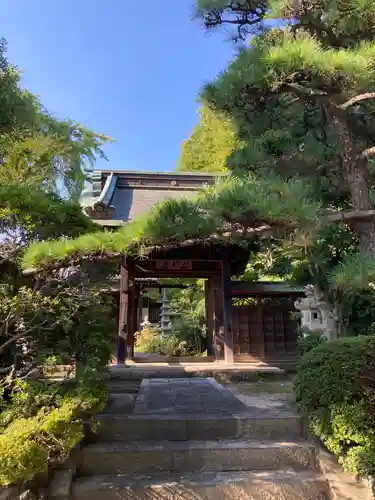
x: 6, y: 370
x: 21, y: 335
x: 301, y: 91
x: 322, y: 31
x: 358, y: 99
x: 349, y: 216
x: 368, y: 153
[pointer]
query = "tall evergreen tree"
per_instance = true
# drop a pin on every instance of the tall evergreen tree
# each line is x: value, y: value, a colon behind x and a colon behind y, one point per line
x: 302, y: 101
x: 210, y: 144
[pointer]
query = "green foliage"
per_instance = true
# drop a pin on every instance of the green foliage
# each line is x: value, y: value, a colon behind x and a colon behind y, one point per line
x: 35, y: 145
x: 246, y: 203
x: 30, y: 214
x: 253, y: 201
x: 342, y: 25
x: 189, y: 323
x: 280, y: 61
x: 31, y: 443
x: 274, y: 259
x: 265, y: 93
x: 30, y: 315
x: 331, y: 245
x: 277, y: 93
x: 28, y: 397
x: 69, y: 323
x: 30, y: 161
x: 92, y: 335
x: 355, y: 272
x: 243, y: 16
x: 357, y: 312
x: 308, y: 339
x: 334, y: 389
x: 18, y: 108
x: 209, y: 145
x: 150, y: 340
x: 41, y: 422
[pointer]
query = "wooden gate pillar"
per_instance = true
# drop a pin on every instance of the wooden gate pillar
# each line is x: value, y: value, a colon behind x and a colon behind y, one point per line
x: 218, y: 322
x: 132, y: 310
x: 209, y: 292
x: 136, y: 322
x: 227, y: 313
x: 122, y: 312
x: 125, y: 339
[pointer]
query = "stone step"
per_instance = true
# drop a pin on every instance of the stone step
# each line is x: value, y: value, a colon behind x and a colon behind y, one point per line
x: 117, y: 427
x: 195, y: 456
x: 219, y: 371
x: 266, y: 485
x: 123, y: 387
x: 120, y: 403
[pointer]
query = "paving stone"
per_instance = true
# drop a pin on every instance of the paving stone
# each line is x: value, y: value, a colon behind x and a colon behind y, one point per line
x: 169, y: 396
x: 279, y: 485
x: 195, y: 456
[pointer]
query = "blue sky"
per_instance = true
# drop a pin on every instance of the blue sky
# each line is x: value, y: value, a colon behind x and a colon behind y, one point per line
x: 127, y: 68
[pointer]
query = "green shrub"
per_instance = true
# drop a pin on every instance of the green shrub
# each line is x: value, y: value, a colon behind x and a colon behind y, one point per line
x: 335, y: 389
x: 192, y: 339
x: 29, y: 445
x: 29, y: 397
x: 148, y: 340
x: 308, y: 339
x: 151, y: 341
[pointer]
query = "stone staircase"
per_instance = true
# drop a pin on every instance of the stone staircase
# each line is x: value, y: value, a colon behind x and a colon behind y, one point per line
x: 180, y: 453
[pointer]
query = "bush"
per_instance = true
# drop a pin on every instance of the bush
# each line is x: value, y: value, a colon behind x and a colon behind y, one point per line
x: 30, y: 444
x: 28, y: 397
x: 189, y: 324
x: 308, y: 339
x: 335, y: 389
x: 192, y: 338
x: 150, y: 341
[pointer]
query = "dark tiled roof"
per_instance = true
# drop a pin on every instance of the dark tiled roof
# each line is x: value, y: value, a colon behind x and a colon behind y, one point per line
x: 120, y: 196
x: 131, y: 202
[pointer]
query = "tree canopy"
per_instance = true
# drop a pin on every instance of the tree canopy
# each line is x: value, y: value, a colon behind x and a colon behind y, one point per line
x: 43, y: 164
x: 210, y: 144
x: 299, y: 100
x: 234, y: 209
x: 27, y: 130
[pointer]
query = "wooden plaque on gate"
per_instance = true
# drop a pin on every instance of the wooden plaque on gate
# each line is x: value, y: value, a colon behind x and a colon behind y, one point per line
x: 174, y: 265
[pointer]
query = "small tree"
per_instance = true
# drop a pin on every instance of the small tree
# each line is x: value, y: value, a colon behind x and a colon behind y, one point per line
x: 68, y: 322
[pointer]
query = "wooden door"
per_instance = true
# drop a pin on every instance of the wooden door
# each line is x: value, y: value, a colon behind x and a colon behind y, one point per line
x: 247, y: 330
x: 265, y: 329
x: 279, y: 327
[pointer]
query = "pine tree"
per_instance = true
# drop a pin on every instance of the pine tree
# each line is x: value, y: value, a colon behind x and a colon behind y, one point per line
x: 301, y: 98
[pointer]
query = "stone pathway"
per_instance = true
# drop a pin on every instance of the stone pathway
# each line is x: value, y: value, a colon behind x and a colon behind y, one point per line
x: 184, y: 396
x: 259, y: 400
x: 193, y: 438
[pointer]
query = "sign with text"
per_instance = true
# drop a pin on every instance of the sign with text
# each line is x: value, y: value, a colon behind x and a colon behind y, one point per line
x: 174, y: 265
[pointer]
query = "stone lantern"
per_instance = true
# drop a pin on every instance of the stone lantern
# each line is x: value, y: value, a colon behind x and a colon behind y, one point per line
x: 317, y: 313
x: 165, y: 316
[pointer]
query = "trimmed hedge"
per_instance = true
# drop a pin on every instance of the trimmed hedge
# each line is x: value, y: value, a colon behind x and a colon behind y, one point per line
x: 308, y: 339
x: 335, y: 390
x: 28, y: 446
